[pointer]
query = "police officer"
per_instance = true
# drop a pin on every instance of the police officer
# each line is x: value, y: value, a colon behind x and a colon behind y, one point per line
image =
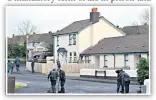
x: 10, y: 66
x: 62, y: 77
x: 53, y: 78
x: 17, y: 63
x: 33, y: 64
x: 118, y: 81
x: 125, y: 80
x: 62, y: 80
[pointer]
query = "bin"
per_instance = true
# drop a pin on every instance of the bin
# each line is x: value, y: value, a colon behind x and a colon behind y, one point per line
x: 11, y: 84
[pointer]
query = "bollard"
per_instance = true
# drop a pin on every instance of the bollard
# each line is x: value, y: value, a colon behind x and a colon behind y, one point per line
x: 11, y: 84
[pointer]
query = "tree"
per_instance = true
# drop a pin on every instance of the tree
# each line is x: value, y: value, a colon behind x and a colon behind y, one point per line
x: 26, y: 27
x: 15, y: 50
x: 143, y: 70
x: 145, y: 16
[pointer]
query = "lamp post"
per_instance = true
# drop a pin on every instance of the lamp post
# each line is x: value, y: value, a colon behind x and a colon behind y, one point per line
x: 26, y: 49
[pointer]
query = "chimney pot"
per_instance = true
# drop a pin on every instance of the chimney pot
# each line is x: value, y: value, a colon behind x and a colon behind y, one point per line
x: 94, y: 9
x: 94, y: 16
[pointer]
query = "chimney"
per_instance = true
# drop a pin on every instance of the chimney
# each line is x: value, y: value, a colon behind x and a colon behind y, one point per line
x: 13, y: 35
x: 94, y: 15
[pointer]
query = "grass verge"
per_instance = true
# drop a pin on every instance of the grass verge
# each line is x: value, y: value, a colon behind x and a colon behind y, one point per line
x: 19, y: 87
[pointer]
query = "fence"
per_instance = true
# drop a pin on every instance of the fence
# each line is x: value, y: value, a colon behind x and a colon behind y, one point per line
x: 68, y: 68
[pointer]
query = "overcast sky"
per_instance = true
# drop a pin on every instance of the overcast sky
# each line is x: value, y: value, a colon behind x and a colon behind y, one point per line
x: 53, y: 18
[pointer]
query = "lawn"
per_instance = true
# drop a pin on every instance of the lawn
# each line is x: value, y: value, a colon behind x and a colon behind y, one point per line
x: 19, y: 87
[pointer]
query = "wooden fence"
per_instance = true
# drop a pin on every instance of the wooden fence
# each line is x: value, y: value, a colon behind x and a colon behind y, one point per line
x: 68, y: 68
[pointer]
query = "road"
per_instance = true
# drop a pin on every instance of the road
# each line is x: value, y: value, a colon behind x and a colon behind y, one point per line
x: 38, y: 83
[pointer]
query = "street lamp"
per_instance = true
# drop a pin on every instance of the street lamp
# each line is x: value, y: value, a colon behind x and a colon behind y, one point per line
x: 26, y: 49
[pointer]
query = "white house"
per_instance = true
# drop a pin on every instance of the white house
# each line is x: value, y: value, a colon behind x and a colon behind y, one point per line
x: 37, y: 43
x: 70, y: 41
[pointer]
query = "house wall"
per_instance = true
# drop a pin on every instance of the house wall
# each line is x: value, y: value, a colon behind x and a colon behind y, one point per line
x: 94, y: 33
x: 119, y: 60
x: 144, y: 56
x: 64, y: 43
x: 103, y: 30
x: 84, y: 39
x: 133, y: 59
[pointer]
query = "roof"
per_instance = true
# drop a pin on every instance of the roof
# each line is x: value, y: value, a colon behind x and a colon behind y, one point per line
x: 75, y: 27
x: 45, y: 37
x: 132, y: 30
x: 122, y: 44
x: 78, y: 26
x: 16, y: 39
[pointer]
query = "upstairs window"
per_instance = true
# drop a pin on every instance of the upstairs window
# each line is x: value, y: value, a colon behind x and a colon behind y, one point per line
x: 57, y: 40
x: 74, y: 39
x: 70, y: 39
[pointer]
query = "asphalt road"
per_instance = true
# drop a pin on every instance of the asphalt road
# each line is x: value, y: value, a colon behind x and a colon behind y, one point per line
x: 38, y: 83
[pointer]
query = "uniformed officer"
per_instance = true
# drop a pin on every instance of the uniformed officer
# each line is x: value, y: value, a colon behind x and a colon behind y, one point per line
x: 125, y: 80
x: 53, y: 78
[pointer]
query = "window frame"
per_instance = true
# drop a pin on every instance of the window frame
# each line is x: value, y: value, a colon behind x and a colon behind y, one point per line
x: 105, y: 60
x: 74, y: 39
x: 57, y: 40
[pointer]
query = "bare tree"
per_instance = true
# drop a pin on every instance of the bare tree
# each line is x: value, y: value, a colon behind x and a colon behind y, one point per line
x: 135, y: 24
x: 145, y: 16
x: 26, y: 27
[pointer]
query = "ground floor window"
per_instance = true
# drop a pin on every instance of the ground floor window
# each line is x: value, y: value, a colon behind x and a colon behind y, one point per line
x: 75, y: 58
x: 126, y: 60
x: 87, y: 59
x: 105, y: 61
x: 70, y: 57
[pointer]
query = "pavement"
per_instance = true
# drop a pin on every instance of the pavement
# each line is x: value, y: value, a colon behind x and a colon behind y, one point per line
x: 21, y: 83
x: 38, y: 83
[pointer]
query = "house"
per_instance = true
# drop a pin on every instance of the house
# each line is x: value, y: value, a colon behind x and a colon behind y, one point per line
x: 36, y: 43
x: 70, y: 41
x: 118, y: 52
x: 137, y: 29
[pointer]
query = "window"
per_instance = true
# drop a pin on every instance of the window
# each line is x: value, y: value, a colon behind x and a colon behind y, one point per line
x: 74, y: 39
x: 74, y: 57
x: 57, y: 40
x: 105, y: 61
x: 126, y: 59
x: 70, y: 57
x: 33, y: 44
x: 148, y: 56
x: 139, y: 56
x: 70, y: 39
x: 87, y: 59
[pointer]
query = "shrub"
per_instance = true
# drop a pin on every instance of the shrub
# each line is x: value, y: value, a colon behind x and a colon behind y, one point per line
x: 143, y: 70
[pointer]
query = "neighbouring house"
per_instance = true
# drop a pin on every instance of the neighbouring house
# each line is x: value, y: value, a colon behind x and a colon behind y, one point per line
x: 137, y: 29
x: 118, y: 52
x: 36, y: 43
x: 70, y: 41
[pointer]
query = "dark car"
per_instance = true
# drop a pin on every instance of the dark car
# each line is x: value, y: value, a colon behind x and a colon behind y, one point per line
x: 34, y: 56
x: 44, y: 55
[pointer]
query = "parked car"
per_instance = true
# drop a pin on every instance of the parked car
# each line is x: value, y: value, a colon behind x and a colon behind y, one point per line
x: 34, y: 56
x: 43, y: 56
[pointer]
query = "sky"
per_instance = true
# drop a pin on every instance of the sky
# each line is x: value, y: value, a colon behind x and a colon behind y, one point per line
x: 53, y: 18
